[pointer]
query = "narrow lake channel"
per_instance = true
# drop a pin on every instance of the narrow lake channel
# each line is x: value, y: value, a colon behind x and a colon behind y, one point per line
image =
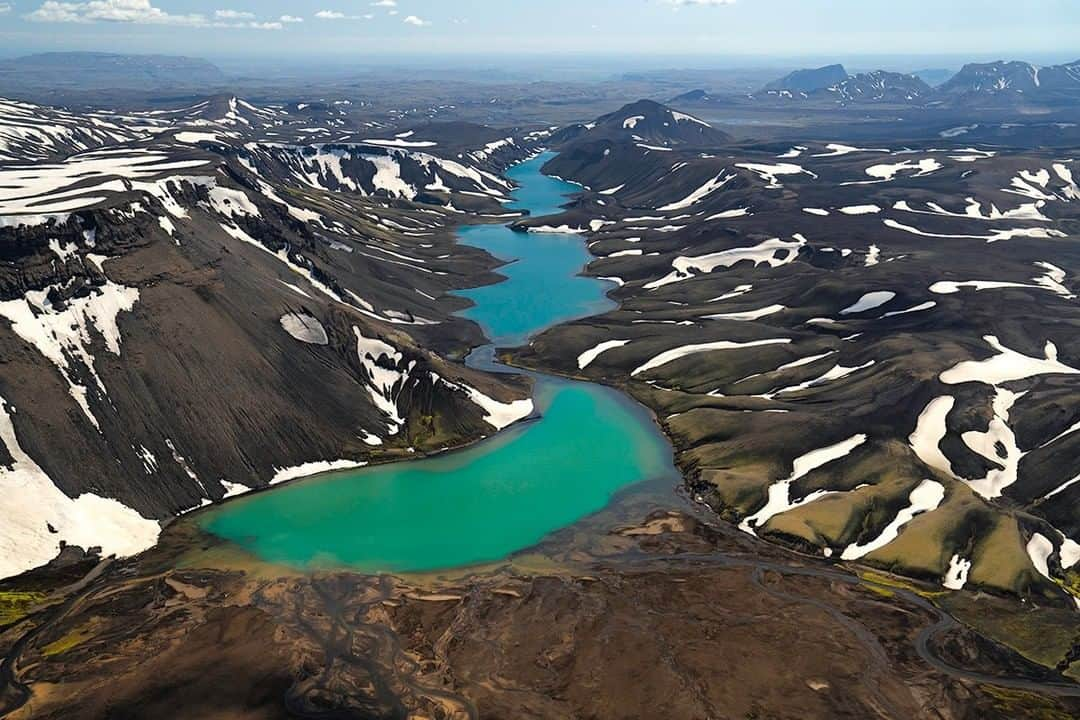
x: 503, y: 494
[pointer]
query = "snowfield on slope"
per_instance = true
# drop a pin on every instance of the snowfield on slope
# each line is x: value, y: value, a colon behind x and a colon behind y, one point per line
x: 38, y: 515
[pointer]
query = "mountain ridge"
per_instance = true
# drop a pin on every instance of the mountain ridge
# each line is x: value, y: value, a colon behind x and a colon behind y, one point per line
x: 995, y: 82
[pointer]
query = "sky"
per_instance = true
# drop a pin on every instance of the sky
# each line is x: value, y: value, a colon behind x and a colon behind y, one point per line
x: 1039, y: 30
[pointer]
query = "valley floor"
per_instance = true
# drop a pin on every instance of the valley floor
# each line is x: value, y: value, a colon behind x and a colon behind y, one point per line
x: 854, y: 408
x: 636, y: 612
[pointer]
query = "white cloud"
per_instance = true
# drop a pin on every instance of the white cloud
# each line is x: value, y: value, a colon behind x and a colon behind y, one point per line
x: 291, y: 19
x: 418, y: 22
x: 335, y: 15
x: 140, y: 12
x: 5, y: 8
x: 233, y: 15
x: 130, y: 11
x: 390, y: 4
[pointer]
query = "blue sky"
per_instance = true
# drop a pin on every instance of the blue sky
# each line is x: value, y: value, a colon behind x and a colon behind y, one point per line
x: 982, y: 29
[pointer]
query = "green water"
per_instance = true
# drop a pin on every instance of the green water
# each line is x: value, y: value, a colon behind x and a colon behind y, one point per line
x: 501, y: 495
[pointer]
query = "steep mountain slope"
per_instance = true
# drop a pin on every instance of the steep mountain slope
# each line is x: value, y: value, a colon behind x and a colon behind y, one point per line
x: 867, y: 353
x: 194, y: 312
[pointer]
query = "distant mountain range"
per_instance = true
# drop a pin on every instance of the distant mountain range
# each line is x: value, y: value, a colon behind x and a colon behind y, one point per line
x: 996, y: 83
x: 832, y: 83
x: 93, y: 70
x: 81, y: 76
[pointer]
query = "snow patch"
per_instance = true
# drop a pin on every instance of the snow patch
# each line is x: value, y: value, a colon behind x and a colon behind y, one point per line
x: 930, y: 430
x: 1007, y: 365
x: 675, y: 353
x: 869, y: 301
x: 381, y: 363
x: 998, y: 445
x: 887, y: 172
x: 312, y: 468
x: 860, y: 210
x: 64, y: 335
x: 774, y: 253
x: 926, y: 497
x: 701, y: 193
x: 769, y: 173
x: 748, y: 315
x: 499, y: 414
x: 304, y: 328
x: 994, y: 236
x: 957, y: 574
x: 30, y: 504
x: 1039, y: 549
x: 586, y: 358
x: 779, y: 497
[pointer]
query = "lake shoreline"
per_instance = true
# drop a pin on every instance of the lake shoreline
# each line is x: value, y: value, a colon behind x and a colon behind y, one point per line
x: 538, y: 271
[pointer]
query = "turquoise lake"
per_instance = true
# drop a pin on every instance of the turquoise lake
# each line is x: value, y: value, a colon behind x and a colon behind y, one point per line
x: 501, y: 495
x: 543, y: 287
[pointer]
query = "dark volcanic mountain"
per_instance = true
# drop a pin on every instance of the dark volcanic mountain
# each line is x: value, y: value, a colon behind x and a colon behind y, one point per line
x: 694, y: 96
x: 1013, y: 79
x: 646, y: 123
x: 808, y: 80
x: 879, y: 86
